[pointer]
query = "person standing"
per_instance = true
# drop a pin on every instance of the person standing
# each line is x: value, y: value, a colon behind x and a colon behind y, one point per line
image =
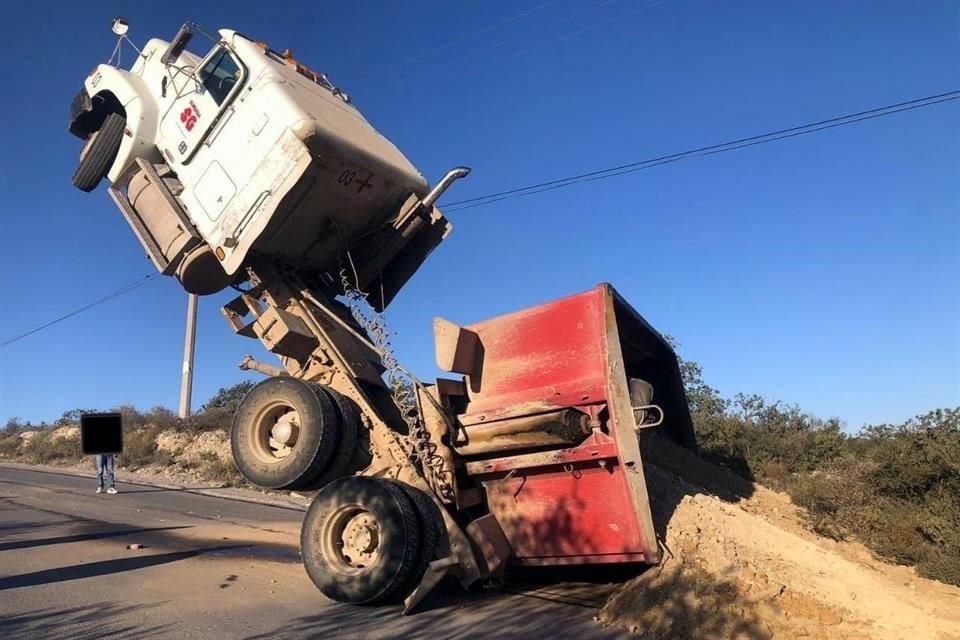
x: 105, y: 463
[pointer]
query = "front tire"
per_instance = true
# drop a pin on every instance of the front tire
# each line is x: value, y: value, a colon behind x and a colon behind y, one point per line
x: 284, y: 433
x: 99, y: 152
x: 360, y: 540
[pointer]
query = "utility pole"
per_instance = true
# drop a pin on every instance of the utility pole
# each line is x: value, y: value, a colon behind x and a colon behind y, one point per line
x: 186, y: 382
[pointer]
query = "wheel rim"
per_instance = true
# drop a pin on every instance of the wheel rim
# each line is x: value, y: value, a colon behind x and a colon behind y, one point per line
x: 274, y: 432
x: 350, y: 541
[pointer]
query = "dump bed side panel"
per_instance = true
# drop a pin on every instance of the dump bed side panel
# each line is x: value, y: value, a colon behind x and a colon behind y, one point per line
x: 589, y: 503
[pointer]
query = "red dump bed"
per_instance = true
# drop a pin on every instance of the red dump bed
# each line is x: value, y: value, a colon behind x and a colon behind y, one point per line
x: 588, y: 503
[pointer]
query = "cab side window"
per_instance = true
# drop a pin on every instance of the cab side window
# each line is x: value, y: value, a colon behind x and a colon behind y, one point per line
x: 220, y: 75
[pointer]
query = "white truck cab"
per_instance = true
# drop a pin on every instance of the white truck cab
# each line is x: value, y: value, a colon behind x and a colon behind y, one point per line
x: 247, y: 154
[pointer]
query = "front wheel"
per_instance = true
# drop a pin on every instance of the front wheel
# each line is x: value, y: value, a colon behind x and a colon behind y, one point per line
x: 99, y: 152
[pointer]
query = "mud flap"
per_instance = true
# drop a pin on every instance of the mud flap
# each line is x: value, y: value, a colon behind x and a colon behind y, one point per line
x: 436, y: 571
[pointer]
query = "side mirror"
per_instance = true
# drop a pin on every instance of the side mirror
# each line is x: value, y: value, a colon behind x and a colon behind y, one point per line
x: 120, y: 26
x: 179, y: 44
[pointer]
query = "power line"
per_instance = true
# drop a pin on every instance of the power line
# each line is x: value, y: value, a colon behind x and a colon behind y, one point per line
x: 601, y: 174
x: 723, y: 147
x: 469, y: 36
x: 571, y: 34
x: 119, y: 292
x: 494, y: 45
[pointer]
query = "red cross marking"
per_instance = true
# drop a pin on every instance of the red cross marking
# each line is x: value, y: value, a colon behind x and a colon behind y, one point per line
x: 365, y: 184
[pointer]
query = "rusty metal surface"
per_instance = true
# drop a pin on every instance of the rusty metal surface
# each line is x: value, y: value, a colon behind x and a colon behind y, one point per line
x: 565, y: 427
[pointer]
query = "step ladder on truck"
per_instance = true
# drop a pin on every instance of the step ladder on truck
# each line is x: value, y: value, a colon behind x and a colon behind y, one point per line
x: 245, y: 169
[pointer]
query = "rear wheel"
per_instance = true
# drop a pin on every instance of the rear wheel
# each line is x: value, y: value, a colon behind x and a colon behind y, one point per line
x: 347, y: 428
x: 284, y: 433
x: 99, y: 152
x: 431, y: 534
x: 360, y: 540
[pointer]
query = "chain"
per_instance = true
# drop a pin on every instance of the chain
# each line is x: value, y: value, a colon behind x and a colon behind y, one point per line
x: 402, y: 384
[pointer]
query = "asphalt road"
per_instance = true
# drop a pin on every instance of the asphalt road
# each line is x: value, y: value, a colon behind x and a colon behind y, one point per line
x: 215, y: 567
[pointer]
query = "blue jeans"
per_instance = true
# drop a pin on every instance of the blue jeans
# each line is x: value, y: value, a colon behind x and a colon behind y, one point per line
x: 104, y: 462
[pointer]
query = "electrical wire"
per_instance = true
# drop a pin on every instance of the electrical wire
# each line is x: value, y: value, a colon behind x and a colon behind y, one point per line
x: 600, y: 174
x: 489, y: 47
x: 571, y: 34
x: 119, y: 292
x: 441, y: 47
x: 722, y: 147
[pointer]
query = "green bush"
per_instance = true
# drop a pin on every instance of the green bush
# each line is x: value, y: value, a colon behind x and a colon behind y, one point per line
x: 894, y: 487
x: 161, y: 417
x: 207, y: 420
x: 229, y: 397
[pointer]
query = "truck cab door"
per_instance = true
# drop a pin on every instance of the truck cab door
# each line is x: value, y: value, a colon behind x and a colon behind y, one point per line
x: 202, y: 101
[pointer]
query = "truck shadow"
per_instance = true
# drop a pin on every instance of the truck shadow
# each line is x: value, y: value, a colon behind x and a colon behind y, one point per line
x: 81, y: 537
x: 671, y: 600
x: 673, y: 473
x: 88, y: 622
x: 104, y: 567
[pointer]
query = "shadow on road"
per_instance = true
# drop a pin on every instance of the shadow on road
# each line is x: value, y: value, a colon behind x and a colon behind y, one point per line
x: 90, y: 622
x: 80, y: 537
x: 453, y: 614
x: 24, y: 527
x: 145, y: 487
x: 151, y: 489
x: 105, y: 567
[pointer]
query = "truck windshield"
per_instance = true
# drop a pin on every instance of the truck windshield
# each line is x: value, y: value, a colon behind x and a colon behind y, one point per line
x: 220, y: 75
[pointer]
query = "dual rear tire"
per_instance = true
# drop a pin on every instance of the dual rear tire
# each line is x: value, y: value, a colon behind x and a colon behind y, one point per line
x: 364, y: 540
x: 292, y: 434
x: 369, y: 540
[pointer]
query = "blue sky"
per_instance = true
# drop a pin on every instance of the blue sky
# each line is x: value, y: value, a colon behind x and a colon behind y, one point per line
x: 820, y: 271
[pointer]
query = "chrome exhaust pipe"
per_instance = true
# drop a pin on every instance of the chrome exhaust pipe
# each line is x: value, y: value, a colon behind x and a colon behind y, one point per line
x: 452, y: 176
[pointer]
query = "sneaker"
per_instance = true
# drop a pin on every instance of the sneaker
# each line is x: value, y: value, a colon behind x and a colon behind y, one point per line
x: 99, y: 489
x: 111, y: 490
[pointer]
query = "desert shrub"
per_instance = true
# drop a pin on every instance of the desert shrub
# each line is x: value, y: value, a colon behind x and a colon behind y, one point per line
x: 42, y: 449
x: 894, y: 487
x: 775, y: 475
x: 917, y: 457
x: 71, y: 417
x: 207, y: 420
x: 140, y: 447
x: 217, y: 470
x: 163, y: 458
x: 9, y: 445
x: 161, y: 417
x: 944, y: 567
x: 229, y: 397
x: 130, y: 416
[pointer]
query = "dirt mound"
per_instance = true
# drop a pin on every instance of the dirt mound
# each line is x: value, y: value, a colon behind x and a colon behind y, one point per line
x: 739, y: 563
x: 63, y: 433
x: 196, y: 448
